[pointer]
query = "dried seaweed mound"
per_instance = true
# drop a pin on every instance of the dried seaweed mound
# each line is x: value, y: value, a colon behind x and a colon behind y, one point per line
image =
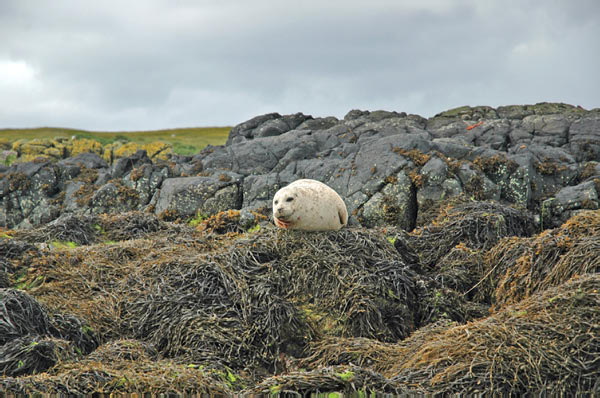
x: 478, y: 225
x: 269, y: 295
x: 351, y: 380
x: 549, y: 342
x: 11, y: 249
x: 131, y: 225
x: 12, y: 253
x: 525, y: 266
x: 33, y: 354
x: 21, y: 315
x: 67, y: 228
x: 31, y: 341
x: 230, y: 221
x: 89, y: 229
x: 124, y: 350
x: 216, y: 310
x: 368, y: 353
x: 244, y: 305
x: 124, y: 366
x: 349, y: 282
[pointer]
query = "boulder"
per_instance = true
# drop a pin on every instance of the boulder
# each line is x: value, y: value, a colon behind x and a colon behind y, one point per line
x: 189, y: 196
x: 569, y: 201
x: 522, y: 154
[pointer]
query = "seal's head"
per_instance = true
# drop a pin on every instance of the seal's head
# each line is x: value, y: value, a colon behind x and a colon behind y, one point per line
x: 284, y: 207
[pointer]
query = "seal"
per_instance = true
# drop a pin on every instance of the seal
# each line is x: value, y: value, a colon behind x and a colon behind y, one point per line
x: 309, y: 205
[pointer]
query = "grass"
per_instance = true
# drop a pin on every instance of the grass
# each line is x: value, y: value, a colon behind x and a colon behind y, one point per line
x: 185, y: 141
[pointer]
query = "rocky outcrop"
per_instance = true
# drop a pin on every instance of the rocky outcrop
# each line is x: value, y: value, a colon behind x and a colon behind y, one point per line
x: 389, y: 167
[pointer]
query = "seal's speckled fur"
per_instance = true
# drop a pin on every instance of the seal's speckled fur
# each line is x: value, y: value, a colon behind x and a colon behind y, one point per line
x: 309, y: 205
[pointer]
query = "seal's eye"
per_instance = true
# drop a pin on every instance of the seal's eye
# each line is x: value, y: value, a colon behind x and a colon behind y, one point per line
x: 276, y: 201
x: 289, y: 199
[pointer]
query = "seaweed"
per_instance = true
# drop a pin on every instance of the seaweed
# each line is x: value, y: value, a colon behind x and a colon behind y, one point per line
x: 547, y: 343
x: 145, y: 305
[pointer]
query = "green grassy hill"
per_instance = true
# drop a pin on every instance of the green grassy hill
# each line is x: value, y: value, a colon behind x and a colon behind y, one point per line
x: 185, y: 141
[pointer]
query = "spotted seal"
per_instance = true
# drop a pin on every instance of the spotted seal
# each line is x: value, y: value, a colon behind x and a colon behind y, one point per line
x: 309, y: 205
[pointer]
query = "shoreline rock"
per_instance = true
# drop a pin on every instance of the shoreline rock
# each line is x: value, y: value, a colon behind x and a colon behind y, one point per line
x: 389, y: 167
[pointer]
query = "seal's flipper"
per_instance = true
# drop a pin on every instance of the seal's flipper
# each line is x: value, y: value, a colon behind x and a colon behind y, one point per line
x: 343, y: 214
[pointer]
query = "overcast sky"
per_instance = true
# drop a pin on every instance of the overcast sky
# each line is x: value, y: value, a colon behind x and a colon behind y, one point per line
x: 153, y: 64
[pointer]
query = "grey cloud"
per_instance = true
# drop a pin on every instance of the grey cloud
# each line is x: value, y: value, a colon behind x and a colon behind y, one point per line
x: 156, y: 64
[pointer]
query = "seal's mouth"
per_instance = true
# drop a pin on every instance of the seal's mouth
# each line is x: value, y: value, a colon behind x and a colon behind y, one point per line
x: 281, y: 223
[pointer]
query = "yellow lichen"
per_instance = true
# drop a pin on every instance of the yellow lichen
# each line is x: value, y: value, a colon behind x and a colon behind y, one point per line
x: 83, y: 145
x: 126, y: 149
x: 158, y: 150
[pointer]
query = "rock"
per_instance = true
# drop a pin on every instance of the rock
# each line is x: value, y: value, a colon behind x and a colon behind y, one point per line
x: 578, y: 196
x: 568, y: 202
x: 106, y: 200
x: 320, y: 123
x: 86, y: 159
x: 124, y: 165
x: 584, y: 138
x: 523, y: 154
x: 244, y: 130
x: 269, y: 125
x: 476, y: 184
x: 470, y: 113
x: 395, y: 204
x: 438, y: 184
x: 514, y: 111
x: 258, y: 190
x: 188, y: 196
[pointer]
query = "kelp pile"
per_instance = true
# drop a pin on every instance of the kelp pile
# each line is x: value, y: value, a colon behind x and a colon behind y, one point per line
x: 31, y: 341
x: 472, y: 302
x: 548, y: 259
x: 549, y: 342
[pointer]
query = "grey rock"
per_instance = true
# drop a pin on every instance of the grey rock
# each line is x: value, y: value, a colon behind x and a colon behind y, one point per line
x: 244, y: 130
x: 355, y: 114
x: 442, y: 127
x: 578, y: 196
x: 187, y: 196
x: 321, y: 123
x: 70, y: 203
x: 123, y: 166
x: 476, y: 184
x: 106, y: 200
x: 395, y: 204
x: 513, y: 112
x: 145, y: 180
x: 247, y: 219
x: 567, y: 202
x: 87, y: 160
x: 438, y: 184
x: 452, y: 148
x: 258, y: 190
x: 272, y: 124
x: 435, y: 171
x: 521, y: 154
x: 493, y: 134
x: 584, y: 138
x: 547, y: 129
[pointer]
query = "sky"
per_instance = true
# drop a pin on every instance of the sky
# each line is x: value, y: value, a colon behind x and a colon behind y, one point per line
x: 117, y: 65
